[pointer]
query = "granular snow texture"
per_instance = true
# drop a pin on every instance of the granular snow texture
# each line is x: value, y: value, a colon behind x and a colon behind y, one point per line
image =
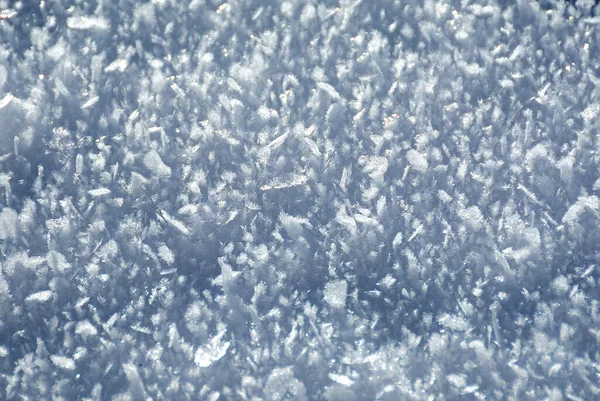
x: 299, y: 200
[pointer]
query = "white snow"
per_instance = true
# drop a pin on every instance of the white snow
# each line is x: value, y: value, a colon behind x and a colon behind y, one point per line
x: 335, y: 293
x: 155, y: 165
x: 212, y: 351
x: 417, y: 160
x: 341, y: 379
x: 174, y: 223
x: 84, y: 23
x: 63, y: 362
x: 40, y: 296
x: 85, y: 329
x: 348, y: 200
x: 99, y: 192
x: 376, y: 168
x: 282, y: 384
x: 8, y: 223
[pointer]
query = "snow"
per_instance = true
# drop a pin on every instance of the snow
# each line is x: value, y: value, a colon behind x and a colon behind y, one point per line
x: 63, y: 362
x: 155, y: 165
x: 341, y: 379
x: 41, y: 296
x: 376, y: 168
x: 174, y: 223
x: 417, y: 160
x: 299, y: 200
x: 8, y: 223
x: 84, y: 23
x: 99, y: 192
x: 335, y: 293
x: 282, y: 385
x: 213, y: 351
x: 85, y: 329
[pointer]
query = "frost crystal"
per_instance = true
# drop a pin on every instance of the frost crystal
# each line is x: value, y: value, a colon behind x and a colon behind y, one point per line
x: 417, y: 160
x: 42, y: 296
x: 85, y: 329
x: 87, y: 23
x: 335, y: 200
x: 335, y: 293
x: 8, y: 223
x: 154, y: 163
x: 63, y: 362
x: 282, y: 385
x: 213, y: 351
x: 99, y: 192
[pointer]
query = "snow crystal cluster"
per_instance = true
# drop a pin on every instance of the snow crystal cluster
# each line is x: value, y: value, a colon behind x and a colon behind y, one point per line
x: 299, y: 200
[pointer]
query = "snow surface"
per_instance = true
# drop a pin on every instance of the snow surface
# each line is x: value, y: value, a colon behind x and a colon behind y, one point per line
x: 299, y: 200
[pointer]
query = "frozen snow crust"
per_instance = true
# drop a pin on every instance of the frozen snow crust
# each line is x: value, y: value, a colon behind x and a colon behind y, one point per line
x: 264, y: 200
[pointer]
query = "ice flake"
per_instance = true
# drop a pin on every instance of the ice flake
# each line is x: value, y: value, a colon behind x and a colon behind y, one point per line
x: 61, y: 87
x: 154, y: 163
x: 168, y: 271
x: 265, y: 152
x: 85, y: 329
x: 176, y: 224
x: 166, y: 254
x: 457, y: 381
x: 341, y: 379
x: 453, y: 322
x: 214, y: 396
x: 345, y: 179
x: 8, y: 223
x: 312, y: 146
x: 282, y: 384
x: 560, y: 285
x: 529, y: 195
x: 99, y: 192
x: 590, y: 204
x: 367, y: 221
x: 117, y: 65
x: 227, y: 273
x: 90, y: 103
x: 84, y: 23
x: 135, y: 382
x: 294, y: 226
x: 388, y: 281
x: 41, y: 296
x: 6, y: 100
x: 330, y: 90
x: 8, y: 13
x: 189, y: 210
x: 294, y: 181
x: 213, y: 351
x: 376, y: 167
x: 63, y: 362
x: 335, y: 293
x: 339, y: 393
x: 397, y: 240
x: 472, y: 217
x: 417, y: 160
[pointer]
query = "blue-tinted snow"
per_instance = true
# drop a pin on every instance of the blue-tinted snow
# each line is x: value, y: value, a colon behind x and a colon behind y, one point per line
x: 336, y: 200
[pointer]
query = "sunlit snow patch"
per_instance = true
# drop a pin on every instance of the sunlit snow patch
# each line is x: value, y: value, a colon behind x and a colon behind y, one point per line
x: 63, y: 362
x: 99, y: 192
x: 212, y: 352
x: 41, y: 296
x: 174, y: 223
x: 6, y: 100
x: 335, y: 293
x: 341, y: 379
x: 283, y: 385
x: 87, y: 23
